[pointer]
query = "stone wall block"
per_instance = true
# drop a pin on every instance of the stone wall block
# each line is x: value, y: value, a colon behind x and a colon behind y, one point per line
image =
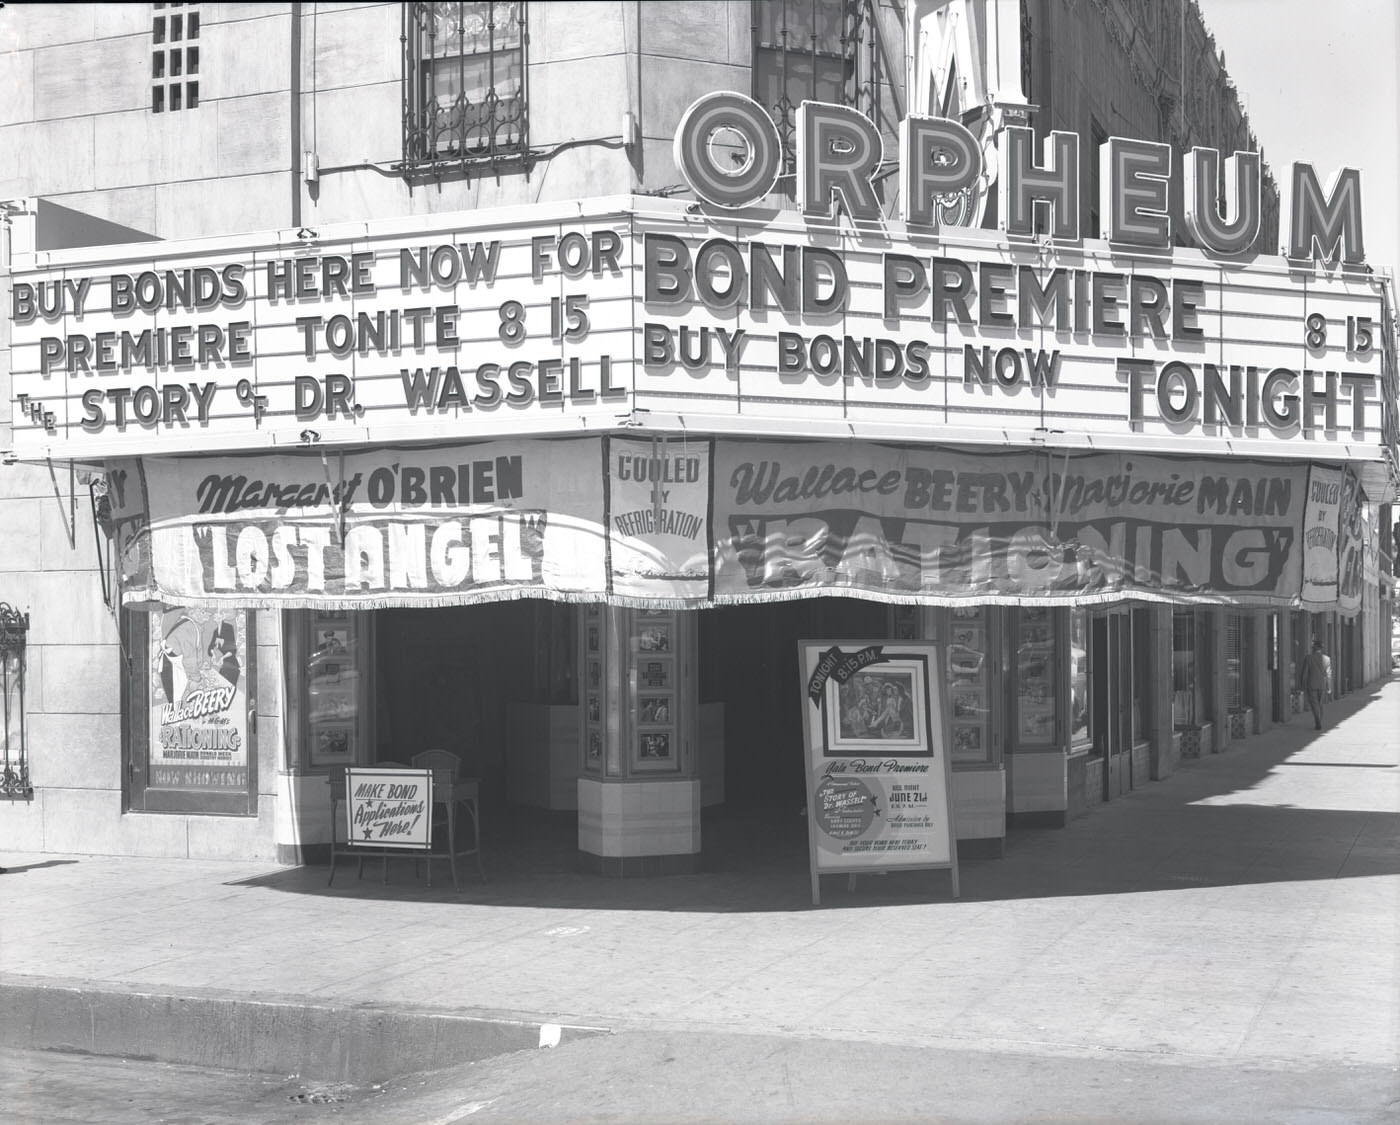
x: 21, y: 551
x: 254, y: 135
x: 75, y: 751
x: 118, y: 72
x: 16, y: 87
x: 78, y: 679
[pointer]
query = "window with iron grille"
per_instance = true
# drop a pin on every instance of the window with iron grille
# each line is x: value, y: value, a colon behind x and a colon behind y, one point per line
x: 804, y: 50
x: 14, y: 756
x: 174, y: 57
x: 464, y: 82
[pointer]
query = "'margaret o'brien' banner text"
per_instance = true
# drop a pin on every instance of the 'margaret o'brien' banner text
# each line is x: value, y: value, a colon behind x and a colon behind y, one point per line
x: 389, y: 527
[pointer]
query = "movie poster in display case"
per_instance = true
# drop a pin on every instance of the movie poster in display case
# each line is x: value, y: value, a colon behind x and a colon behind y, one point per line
x: 656, y: 739
x: 1035, y: 670
x: 966, y: 657
x: 332, y: 689
x: 593, y: 693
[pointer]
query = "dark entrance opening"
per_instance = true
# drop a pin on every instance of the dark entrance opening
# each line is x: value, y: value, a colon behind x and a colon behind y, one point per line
x: 748, y: 662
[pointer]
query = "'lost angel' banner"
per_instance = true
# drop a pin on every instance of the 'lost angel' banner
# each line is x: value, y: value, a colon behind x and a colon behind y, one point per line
x: 422, y: 526
x: 713, y: 522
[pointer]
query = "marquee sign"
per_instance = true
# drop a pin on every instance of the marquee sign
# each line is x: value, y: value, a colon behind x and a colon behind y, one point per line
x: 720, y: 317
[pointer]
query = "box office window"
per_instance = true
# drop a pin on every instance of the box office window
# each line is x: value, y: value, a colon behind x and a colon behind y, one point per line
x: 191, y: 713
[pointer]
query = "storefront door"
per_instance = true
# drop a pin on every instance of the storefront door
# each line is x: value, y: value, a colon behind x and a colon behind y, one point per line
x: 1111, y: 698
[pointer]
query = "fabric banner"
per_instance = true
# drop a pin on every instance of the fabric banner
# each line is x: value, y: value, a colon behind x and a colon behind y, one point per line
x: 1351, y: 547
x: 942, y: 526
x: 659, y: 518
x: 679, y: 523
x: 199, y: 699
x: 426, y: 526
x: 1321, y: 517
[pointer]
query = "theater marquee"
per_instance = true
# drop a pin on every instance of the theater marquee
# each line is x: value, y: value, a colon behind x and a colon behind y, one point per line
x: 632, y: 312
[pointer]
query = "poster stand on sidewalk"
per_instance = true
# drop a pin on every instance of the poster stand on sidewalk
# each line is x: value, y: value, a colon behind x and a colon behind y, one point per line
x: 879, y: 779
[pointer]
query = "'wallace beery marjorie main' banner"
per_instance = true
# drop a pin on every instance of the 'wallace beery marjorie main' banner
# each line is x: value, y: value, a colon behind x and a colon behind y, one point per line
x: 720, y: 521
x: 558, y: 319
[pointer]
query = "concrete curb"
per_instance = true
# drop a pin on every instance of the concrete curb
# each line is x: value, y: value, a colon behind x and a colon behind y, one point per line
x: 290, y: 1035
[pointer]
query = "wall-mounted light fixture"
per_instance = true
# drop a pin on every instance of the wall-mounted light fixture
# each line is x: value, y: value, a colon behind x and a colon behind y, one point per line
x: 14, y: 631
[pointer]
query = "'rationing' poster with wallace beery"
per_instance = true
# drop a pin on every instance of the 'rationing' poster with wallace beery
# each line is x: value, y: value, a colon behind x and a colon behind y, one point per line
x: 199, y: 699
x: 879, y: 778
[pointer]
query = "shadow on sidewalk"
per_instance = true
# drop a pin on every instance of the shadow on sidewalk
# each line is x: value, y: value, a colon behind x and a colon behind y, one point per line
x: 16, y: 868
x: 1205, y: 826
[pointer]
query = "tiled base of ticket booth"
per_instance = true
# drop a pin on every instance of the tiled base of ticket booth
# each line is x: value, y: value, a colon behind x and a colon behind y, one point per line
x: 639, y: 827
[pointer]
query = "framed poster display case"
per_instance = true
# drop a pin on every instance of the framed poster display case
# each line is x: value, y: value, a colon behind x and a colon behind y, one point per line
x: 655, y: 745
x: 334, y: 688
x: 593, y: 717
x: 968, y: 669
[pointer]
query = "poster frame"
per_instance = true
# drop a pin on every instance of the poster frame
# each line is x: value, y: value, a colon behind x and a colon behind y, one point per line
x: 142, y: 792
x: 933, y: 750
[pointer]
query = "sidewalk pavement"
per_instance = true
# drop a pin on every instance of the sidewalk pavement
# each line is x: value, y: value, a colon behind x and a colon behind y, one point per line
x: 1245, y: 911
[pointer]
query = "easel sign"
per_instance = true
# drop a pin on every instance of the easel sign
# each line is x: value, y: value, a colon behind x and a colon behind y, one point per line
x: 389, y: 808
x: 879, y: 779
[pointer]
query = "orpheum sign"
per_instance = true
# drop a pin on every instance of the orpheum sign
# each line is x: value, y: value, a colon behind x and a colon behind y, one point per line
x: 720, y: 316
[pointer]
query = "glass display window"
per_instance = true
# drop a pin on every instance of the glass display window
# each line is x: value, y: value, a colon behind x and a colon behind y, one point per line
x: 1142, y: 674
x: 593, y: 717
x: 1183, y: 669
x: 966, y: 669
x: 334, y: 667
x: 190, y: 698
x: 655, y: 734
x: 1035, y: 666
x: 1079, y: 681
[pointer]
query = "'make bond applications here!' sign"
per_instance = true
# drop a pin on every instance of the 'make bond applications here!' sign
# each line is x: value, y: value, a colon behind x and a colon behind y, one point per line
x: 389, y: 808
x: 879, y: 779
x: 578, y: 318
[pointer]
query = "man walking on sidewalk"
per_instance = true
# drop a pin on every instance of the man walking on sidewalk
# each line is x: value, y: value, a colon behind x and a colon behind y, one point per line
x: 1317, y: 680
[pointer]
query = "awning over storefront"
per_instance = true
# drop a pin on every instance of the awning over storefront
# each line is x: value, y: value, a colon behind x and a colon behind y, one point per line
x: 690, y: 523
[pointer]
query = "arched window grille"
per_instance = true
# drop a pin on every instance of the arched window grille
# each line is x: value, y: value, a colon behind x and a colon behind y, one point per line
x: 14, y: 630
x: 463, y: 82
